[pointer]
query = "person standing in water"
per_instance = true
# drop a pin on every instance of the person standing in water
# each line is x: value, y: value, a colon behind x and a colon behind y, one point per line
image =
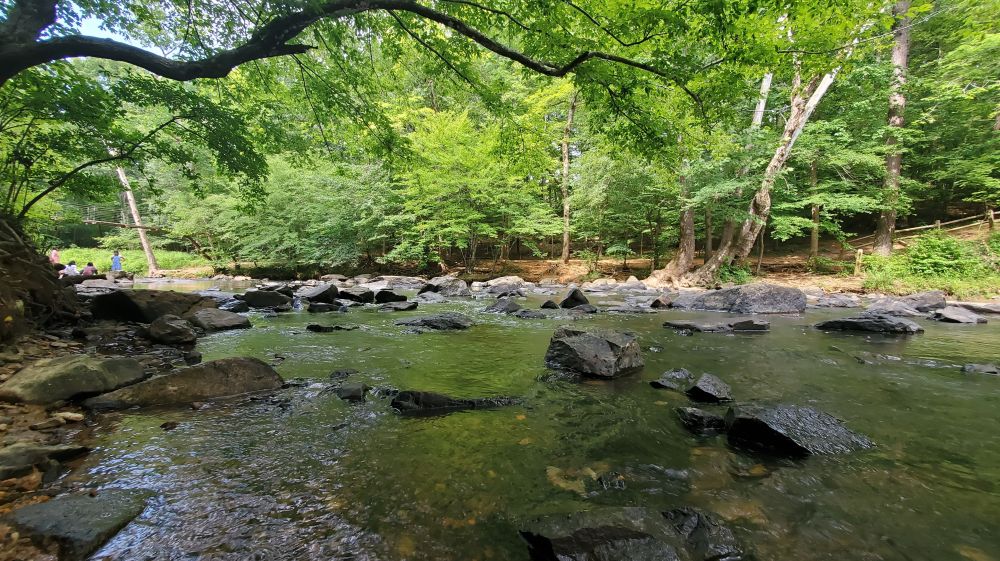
x: 54, y: 256
x: 116, y: 261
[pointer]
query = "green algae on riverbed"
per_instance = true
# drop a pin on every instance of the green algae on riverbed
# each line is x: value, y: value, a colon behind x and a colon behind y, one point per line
x: 305, y: 475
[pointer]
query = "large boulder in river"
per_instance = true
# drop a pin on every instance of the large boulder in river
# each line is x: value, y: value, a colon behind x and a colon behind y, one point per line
x: 599, y: 353
x: 573, y: 299
x: 757, y: 298
x: 632, y: 534
x: 386, y: 296
x: 218, y: 320
x: 144, y: 306
x: 791, y: 430
x: 441, y: 322
x: 218, y: 378
x: 79, y: 523
x: 324, y: 293
x: 265, y: 299
x: 358, y: 294
x: 709, y: 389
x: 429, y: 403
x: 503, y: 306
x: 954, y: 314
x: 876, y: 323
x: 172, y: 330
x: 70, y: 377
x: 894, y: 307
x: 447, y: 286
x: 926, y: 301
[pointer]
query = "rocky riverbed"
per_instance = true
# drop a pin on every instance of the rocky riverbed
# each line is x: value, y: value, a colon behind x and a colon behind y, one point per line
x: 337, y: 371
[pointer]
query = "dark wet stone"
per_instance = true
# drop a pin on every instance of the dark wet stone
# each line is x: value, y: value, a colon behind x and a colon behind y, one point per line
x: 598, y: 353
x: 584, y: 309
x: 386, y: 296
x: 893, y: 307
x: 212, y: 319
x: 630, y: 310
x: 441, y: 322
x: 317, y: 328
x: 235, y: 306
x: 447, y: 286
x: 172, y: 330
x: 319, y: 294
x: 720, y: 327
x: 80, y: 523
x: 398, y: 306
x: 429, y: 403
x: 757, y: 298
x: 341, y: 374
x: 529, y: 314
x: 358, y: 294
x: 876, y: 323
x: 549, y: 305
x: 926, y: 301
x: 21, y: 458
x: 265, y: 299
x: 218, y: 378
x: 981, y: 369
x: 954, y: 314
x: 503, y: 306
x: 709, y: 389
x: 661, y: 301
x: 791, y: 430
x: 144, y: 306
x: 573, y: 299
x: 835, y: 300
x: 354, y: 391
x: 676, y: 379
x: 430, y: 298
x: 700, y: 421
x: 705, y: 536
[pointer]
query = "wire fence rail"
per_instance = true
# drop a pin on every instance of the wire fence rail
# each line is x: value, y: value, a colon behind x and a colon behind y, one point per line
x: 980, y: 220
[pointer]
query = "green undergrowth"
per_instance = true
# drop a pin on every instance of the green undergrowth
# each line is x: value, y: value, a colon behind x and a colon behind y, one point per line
x: 134, y: 260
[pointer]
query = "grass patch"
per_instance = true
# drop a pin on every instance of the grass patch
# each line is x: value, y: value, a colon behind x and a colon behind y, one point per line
x: 134, y: 260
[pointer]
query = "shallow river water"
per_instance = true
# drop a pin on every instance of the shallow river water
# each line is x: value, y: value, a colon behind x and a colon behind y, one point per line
x: 304, y: 475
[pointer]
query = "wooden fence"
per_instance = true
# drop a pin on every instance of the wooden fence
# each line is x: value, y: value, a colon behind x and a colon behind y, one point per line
x: 978, y: 220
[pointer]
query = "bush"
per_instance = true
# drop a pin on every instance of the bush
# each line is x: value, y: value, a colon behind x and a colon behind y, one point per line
x: 134, y: 260
x: 736, y: 274
x: 938, y: 254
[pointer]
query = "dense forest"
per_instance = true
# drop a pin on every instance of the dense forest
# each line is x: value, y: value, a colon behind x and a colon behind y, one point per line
x: 442, y: 137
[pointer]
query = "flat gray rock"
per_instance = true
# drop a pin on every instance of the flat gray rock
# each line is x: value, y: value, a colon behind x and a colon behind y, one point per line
x: 791, y: 430
x: 80, y: 523
x: 720, y: 327
x: 440, y: 322
x: 955, y: 314
x: 598, y: 353
x: 20, y: 458
x: 219, y: 320
x: 70, y: 377
x: 875, y: 323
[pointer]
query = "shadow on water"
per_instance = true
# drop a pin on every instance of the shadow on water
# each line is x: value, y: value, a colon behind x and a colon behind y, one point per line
x: 303, y: 475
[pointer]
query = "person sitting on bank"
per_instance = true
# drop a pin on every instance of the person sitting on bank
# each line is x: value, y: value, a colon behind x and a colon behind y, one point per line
x: 70, y: 270
x: 116, y: 261
x: 54, y: 256
x: 90, y: 270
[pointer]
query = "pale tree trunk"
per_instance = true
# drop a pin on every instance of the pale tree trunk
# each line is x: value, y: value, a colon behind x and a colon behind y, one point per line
x: 565, y: 177
x: 724, y: 248
x: 897, y: 103
x: 814, y: 238
x: 681, y: 262
x: 154, y: 268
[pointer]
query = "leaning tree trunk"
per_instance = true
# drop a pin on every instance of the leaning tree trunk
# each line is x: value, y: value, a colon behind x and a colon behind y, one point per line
x: 147, y: 248
x: 681, y: 262
x: 564, y: 186
x: 723, y: 253
x: 897, y: 103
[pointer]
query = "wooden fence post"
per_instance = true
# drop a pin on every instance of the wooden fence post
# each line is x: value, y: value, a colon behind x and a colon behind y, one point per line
x: 857, y: 262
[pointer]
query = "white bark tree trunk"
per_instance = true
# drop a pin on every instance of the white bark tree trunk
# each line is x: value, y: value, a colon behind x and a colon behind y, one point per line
x: 154, y: 268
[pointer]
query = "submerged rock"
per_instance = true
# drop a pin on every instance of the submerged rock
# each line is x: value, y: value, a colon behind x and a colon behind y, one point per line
x: 353, y: 391
x: 322, y: 307
x: 144, y: 306
x: 441, y: 322
x: 791, y: 430
x: 317, y: 328
x: 955, y: 314
x: 82, y: 522
x: 981, y: 369
x: 757, y: 298
x: 172, y: 330
x: 218, y: 378
x: 529, y: 314
x: 70, y: 377
x: 700, y: 421
x: 218, y: 320
x: 584, y: 309
x: 876, y: 323
x: 503, y: 306
x: 709, y: 389
x: 21, y: 458
x: 416, y: 403
x: 676, y: 379
x: 430, y: 298
x: 720, y: 327
x: 398, y: 307
x: 599, y: 353
x: 631, y: 534
x: 573, y: 299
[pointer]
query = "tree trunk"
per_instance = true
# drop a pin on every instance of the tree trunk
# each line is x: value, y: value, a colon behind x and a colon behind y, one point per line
x: 723, y: 252
x: 565, y: 177
x: 154, y: 268
x: 814, y: 238
x: 708, y: 233
x: 804, y: 102
x: 681, y: 262
x: 897, y: 103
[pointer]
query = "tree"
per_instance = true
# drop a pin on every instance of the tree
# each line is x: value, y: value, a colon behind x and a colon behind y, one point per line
x: 564, y: 179
x: 897, y: 103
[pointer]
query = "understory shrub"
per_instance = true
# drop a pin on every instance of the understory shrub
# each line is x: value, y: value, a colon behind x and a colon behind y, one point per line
x: 736, y: 274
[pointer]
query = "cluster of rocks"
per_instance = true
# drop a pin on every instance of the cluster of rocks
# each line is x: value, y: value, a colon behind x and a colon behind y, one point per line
x: 895, y: 315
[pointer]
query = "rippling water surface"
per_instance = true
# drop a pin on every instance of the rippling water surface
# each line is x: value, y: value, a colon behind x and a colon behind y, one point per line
x: 304, y: 475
